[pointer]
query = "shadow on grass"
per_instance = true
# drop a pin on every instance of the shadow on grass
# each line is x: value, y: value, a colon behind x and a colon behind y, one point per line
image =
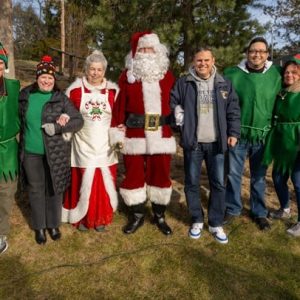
x: 14, y: 282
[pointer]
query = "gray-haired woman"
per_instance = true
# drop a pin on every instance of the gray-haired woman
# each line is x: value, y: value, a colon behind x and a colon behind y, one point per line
x: 92, y: 198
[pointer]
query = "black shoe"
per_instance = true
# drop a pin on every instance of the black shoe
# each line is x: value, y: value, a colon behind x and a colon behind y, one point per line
x: 54, y: 233
x: 262, y: 223
x: 136, y: 221
x: 40, y: 236
x: 162, y: 225
x: 228, y: 219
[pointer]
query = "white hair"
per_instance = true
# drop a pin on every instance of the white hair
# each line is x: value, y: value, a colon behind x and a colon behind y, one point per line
x: 96, y: 57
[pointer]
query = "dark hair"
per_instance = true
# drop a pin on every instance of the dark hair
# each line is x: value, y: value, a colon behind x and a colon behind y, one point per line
x: 288, y: 63
x: 258, y: 39
x: 204, y: 48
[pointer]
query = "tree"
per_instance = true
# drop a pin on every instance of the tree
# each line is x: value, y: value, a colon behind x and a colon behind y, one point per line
x: 29, y: 33
x: 286, y: 19
x: 184, y: 25
x: 6, y: 33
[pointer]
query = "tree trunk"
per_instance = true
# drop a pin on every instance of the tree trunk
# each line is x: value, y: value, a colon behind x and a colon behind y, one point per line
x: 6, y: 34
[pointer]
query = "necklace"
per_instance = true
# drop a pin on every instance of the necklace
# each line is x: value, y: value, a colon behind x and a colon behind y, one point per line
x: 282, y: 94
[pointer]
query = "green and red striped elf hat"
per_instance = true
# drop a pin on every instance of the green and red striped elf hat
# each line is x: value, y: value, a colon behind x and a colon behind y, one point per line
x: 4, y: 55
x: 296, y: 58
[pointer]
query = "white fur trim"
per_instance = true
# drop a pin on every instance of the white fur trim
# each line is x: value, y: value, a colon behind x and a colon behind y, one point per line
x: 116, y: 136
x: 130, y: 77
x: 74, y: 215
x: 154, y: 143
x: 159, y: 195
x: 110, y: 187
x: 78, y: 84
x: 134, y: 196
x: 148, y: 41
x: 152, y: 146
x: 152, y: 97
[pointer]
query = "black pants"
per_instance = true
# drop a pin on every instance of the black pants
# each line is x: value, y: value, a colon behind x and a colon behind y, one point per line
x: 45, y: 204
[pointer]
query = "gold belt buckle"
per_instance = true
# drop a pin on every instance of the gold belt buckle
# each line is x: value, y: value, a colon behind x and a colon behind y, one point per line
x: 151, y: 122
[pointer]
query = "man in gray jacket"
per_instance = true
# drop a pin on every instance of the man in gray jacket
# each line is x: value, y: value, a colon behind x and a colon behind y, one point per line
x: 206, y: 108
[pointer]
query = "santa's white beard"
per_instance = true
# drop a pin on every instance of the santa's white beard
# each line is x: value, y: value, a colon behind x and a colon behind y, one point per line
x: 150, y: 66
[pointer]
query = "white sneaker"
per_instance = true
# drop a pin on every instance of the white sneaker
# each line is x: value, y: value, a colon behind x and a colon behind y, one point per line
x: 195, y: 230
x: 3, y: 244
x: 294, y: 230
x: 281, y: 213
x: 219, y: 234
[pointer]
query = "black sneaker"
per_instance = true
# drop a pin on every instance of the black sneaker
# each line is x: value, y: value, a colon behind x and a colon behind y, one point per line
x: 262, y: 223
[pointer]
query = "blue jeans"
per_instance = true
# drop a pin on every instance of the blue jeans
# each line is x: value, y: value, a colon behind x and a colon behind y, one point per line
x: 237, y: 157
x: 215, y: 170
x: 280, y: 183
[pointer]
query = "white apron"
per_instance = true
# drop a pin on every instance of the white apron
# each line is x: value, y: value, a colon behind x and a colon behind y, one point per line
x: 90, y: 146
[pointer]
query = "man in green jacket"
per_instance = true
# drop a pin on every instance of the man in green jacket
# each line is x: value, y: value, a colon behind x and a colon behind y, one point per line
x: 256, y: 81
x: 9, y: 128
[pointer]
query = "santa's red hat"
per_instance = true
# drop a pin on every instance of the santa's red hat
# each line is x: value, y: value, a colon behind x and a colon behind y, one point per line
x: 143, y: 39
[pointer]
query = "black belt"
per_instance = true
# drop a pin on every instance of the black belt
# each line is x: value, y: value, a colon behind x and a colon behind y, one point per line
x: 147, y: 121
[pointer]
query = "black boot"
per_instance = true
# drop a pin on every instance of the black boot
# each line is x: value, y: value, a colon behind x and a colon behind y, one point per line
x: 54, y: 233
x: 40, y: 236
x: 136, y: 218
x: 159, y: 218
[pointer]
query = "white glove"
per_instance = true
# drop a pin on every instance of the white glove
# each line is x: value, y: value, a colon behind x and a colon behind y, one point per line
x: 49, y: 128
x: 179, y: 115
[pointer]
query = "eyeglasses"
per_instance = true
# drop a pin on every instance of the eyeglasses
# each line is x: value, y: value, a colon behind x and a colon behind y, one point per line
x: 257, y: 52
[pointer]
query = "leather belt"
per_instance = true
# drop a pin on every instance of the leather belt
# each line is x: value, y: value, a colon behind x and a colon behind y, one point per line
x: 148, y: 121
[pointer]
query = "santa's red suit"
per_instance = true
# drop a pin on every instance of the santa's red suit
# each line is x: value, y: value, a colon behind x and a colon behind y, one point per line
x: 92, y: 198
x: 147, y: 148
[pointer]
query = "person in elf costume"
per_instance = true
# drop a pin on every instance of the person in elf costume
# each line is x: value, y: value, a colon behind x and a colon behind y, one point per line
x: 257, y: 82
x: 9, y: 128
x: 286, y: 133
x: 141, y: 127
x: 92, y: 197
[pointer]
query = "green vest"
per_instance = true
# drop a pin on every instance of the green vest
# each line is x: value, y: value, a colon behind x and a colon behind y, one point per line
x: 9, y: 128
x: 257, y: 93
x: 283, y: 142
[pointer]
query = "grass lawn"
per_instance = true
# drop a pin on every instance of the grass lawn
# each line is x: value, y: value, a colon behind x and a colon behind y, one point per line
x: 148, y: 265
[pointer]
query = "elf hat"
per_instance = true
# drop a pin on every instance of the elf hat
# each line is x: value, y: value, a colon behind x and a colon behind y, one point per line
x: 4, y: 55
x: 296, y: 58
x: 45, y: 66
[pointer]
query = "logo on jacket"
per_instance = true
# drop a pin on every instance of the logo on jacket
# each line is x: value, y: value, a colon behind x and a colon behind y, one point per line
x: 224, y: 94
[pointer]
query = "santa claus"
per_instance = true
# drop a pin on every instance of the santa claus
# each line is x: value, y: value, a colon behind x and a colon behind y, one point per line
x: 141, y: 128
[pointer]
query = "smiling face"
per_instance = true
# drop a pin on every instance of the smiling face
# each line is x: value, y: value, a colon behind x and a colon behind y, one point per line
x: 203, y: 63
x: 291, y: 74
x: 2, y: 68
x: 46, y: 82
x: 95, y: 73
x: 257, y: 55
